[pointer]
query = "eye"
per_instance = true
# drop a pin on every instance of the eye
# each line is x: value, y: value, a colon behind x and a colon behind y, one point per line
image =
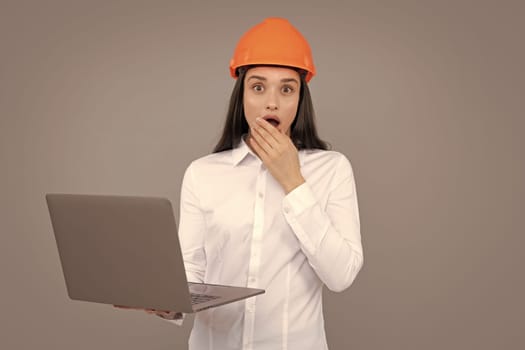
x: 287, y: 89
x: 257, y: 88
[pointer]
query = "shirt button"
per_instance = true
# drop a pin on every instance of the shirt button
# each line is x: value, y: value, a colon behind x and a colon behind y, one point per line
x: 286, y: 210
x: 261, y: 195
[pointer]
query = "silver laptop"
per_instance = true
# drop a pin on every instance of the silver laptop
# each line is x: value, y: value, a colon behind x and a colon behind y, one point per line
x: 125, y: 251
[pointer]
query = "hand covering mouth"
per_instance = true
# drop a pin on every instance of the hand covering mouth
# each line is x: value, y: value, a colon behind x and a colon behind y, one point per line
x: 272, y: 119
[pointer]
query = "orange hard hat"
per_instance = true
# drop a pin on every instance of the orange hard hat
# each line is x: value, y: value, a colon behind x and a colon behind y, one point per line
x: 274, y: 42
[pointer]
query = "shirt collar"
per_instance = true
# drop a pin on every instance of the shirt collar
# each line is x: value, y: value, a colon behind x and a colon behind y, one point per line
x: 242, y: 150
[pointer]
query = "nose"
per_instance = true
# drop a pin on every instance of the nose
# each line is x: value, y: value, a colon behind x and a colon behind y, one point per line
x: 272, y: 103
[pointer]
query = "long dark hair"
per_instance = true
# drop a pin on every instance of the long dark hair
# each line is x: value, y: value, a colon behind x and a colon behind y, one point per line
x: 302, y: 131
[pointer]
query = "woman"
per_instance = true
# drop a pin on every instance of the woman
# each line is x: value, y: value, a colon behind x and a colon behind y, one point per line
x: 271, y: 208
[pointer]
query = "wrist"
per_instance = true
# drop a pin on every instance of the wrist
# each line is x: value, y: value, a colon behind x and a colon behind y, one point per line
x: 293, y: 184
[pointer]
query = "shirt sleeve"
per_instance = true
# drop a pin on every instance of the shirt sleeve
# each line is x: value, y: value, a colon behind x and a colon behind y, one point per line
x: 192, y: 227
x: 330, y: 237
x: 191, y: 234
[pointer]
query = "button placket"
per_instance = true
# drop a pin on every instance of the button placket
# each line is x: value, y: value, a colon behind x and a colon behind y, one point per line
x: 255, y: 249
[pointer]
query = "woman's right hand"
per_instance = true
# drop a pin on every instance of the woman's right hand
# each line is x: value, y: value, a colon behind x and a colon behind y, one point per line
x: 168, y: 315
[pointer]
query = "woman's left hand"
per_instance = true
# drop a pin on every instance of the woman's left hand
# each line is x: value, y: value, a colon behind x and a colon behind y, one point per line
x: 278, y: 153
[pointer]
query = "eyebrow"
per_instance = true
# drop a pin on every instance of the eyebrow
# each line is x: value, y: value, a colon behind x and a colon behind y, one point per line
x: 285, y: 80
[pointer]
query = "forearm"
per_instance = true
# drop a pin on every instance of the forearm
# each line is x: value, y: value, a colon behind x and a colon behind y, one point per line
x: 329, y: 238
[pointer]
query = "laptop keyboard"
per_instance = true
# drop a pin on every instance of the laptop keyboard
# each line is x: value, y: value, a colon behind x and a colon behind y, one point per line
x: 201, y: 298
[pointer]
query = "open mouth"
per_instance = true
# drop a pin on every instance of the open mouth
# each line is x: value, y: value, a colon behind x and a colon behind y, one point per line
x: 272, y: 120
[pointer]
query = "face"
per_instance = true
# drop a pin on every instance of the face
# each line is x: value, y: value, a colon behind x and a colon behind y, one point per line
x: 271, y: 93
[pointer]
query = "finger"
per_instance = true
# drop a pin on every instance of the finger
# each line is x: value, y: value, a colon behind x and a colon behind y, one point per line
x: 273, y: 149
x: 258, y: 148
x: 166, y: 314
x: 126, y: 307
x: 269, y: 129
x: 264, y: 142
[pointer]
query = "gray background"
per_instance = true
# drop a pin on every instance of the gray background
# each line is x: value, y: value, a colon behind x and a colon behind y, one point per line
x: 424, y: 97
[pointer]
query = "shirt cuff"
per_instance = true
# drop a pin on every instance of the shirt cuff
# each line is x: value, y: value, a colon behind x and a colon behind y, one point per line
x: 178, y: 320
x: 298, y: 200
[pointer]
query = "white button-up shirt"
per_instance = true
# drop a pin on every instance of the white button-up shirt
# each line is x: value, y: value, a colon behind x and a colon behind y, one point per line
x: 238, y: 227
